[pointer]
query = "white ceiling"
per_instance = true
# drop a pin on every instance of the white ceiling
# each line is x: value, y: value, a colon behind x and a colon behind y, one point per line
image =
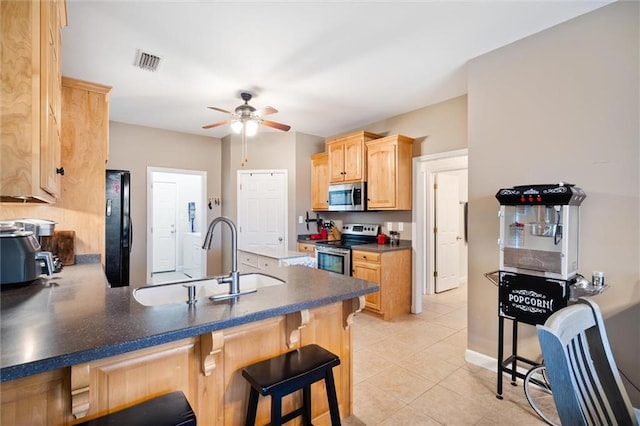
x: 328, y: 67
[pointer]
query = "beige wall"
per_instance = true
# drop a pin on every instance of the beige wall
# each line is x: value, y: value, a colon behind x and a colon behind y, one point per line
x: 436, y: 128
x: 272, y: 150
x: 561, y: 105
x: 135, y: 148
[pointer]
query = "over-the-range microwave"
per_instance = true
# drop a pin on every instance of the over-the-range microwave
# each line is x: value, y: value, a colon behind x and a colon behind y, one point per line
x: 348, y: 197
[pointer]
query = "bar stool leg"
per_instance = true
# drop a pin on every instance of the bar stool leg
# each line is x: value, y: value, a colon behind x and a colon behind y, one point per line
x: 306, y: 403
x: 252, y: 408
x: 276, y: 409
x: 333, y: 399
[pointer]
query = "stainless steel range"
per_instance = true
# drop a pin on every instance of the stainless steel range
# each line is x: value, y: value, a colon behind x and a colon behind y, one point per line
x: 335, y: 256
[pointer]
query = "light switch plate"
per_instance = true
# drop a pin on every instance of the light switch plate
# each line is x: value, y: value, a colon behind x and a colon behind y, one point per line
x: 400, y: 226
x: 389, y: 227
x: 300, y: 219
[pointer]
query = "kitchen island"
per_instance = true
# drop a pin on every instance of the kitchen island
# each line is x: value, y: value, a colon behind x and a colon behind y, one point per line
x: 74, y: 349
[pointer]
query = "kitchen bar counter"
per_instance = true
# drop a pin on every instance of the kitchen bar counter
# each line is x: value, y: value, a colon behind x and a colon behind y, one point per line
x: 74, y: 317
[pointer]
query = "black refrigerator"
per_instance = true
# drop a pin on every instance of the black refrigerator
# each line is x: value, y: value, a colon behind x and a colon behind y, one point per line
x: 118, y: 227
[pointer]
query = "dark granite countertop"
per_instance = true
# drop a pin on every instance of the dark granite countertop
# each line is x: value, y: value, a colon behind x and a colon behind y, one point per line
x: 307, y: 239
x: 381, y: 248
x: 74, y: 317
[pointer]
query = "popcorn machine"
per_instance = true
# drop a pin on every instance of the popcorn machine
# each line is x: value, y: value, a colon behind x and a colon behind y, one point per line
x: 539, y: 227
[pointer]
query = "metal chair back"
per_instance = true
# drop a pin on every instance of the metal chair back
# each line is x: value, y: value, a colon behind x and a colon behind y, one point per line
x: 585, y: 382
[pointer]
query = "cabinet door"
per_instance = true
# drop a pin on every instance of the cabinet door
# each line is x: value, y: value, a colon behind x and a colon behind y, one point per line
x: 319, y: 181
x: 382, y: 162
x: 353, y: 160
x: 336, y: 161
x: 42, y: 399
x: 50, y: 99
x: 369, y: 272
x: 117, y: 382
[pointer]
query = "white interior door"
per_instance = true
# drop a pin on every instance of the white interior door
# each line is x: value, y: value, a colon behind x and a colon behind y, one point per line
x: 164, y: 226
x: 262, y: 209
x: 448, y: 236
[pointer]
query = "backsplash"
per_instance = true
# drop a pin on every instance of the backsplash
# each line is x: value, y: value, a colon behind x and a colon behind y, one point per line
x: 397, y: 219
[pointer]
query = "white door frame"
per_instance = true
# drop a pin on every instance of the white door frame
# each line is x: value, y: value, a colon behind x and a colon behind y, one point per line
x: 202, y: 214
x: 423, y: 217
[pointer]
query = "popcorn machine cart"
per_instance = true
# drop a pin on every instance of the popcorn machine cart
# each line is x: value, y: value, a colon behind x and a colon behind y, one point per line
x: 538, y: 242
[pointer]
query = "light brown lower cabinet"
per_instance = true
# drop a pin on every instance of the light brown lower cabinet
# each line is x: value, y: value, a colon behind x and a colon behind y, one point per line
x: 40, y: 400
x: 307, y: 248
x: 392, y: 271
x: 207, y: 368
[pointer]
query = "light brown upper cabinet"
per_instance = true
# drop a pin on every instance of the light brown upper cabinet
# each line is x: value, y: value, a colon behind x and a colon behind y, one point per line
x: 347, y: 157
x: 389, y: 173
x: 30, y: 38
x: 320, y: 181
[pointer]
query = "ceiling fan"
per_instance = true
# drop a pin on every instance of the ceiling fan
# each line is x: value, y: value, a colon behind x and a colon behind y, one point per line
x: 247, y: 118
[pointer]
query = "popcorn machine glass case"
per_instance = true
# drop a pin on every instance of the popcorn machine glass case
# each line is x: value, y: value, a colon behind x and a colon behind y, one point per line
x: 539, y: 229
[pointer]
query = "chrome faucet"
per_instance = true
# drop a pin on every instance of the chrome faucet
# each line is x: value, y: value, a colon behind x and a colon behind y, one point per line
x: 233, y: 278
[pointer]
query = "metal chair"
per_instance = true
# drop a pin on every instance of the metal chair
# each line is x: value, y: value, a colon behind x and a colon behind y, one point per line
x: 586, y: 385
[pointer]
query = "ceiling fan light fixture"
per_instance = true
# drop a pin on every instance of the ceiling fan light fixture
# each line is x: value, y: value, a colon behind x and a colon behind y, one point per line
x: 236, y: 126
x: 251, y: 127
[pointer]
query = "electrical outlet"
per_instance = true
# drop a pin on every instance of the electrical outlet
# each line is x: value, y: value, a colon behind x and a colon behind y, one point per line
x: 400, y: 226
x: 300, y: 219
x: 389, y: 227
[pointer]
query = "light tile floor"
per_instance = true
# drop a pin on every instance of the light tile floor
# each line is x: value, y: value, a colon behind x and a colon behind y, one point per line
x: 412, y: 371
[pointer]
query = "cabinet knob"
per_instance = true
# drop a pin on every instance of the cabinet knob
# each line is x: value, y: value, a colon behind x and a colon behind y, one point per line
x: 60, y: 171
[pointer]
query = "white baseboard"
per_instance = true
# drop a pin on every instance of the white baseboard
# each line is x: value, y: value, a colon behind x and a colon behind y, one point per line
x: 486, y: 362
x: 481, y: 360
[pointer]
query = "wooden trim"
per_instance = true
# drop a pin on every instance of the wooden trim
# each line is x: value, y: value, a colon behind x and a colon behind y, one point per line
x: 86, y: 85
x: 211, y: 344
x: 294, y: 323
x: 349, y: 310
x: 80, y: 396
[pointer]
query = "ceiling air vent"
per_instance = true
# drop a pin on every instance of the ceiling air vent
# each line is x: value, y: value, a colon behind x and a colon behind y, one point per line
x: 147, y: 61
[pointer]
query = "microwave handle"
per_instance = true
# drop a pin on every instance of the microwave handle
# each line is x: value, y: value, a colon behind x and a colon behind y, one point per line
x: 353, y: 197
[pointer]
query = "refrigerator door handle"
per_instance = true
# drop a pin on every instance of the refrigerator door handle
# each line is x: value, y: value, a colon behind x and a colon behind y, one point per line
x: 130, y: 235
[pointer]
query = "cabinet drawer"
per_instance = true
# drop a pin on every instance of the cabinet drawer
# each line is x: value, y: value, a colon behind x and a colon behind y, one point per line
x: 267, y: 262
x: 307, y: 248
x: 365, y: 256
x: 246, y: 258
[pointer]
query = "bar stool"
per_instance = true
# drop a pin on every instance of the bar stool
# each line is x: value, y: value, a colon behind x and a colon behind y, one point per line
x: 281, y: 375
x: 171, y: 409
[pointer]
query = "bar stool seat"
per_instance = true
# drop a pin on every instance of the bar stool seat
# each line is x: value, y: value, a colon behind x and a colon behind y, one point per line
x: 284, y: 374
x: 171, y: 409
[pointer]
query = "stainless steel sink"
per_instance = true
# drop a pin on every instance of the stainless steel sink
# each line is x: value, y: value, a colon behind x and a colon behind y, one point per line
x: 179, y: 292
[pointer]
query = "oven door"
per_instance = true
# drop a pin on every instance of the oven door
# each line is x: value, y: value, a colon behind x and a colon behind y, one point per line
x: 333, y: 259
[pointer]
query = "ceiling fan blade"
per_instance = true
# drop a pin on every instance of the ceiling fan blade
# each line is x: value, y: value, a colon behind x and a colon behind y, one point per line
x: 219, y: 123
x: 220, y: 109
x: 275, y: 125
x: 265, y: 111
